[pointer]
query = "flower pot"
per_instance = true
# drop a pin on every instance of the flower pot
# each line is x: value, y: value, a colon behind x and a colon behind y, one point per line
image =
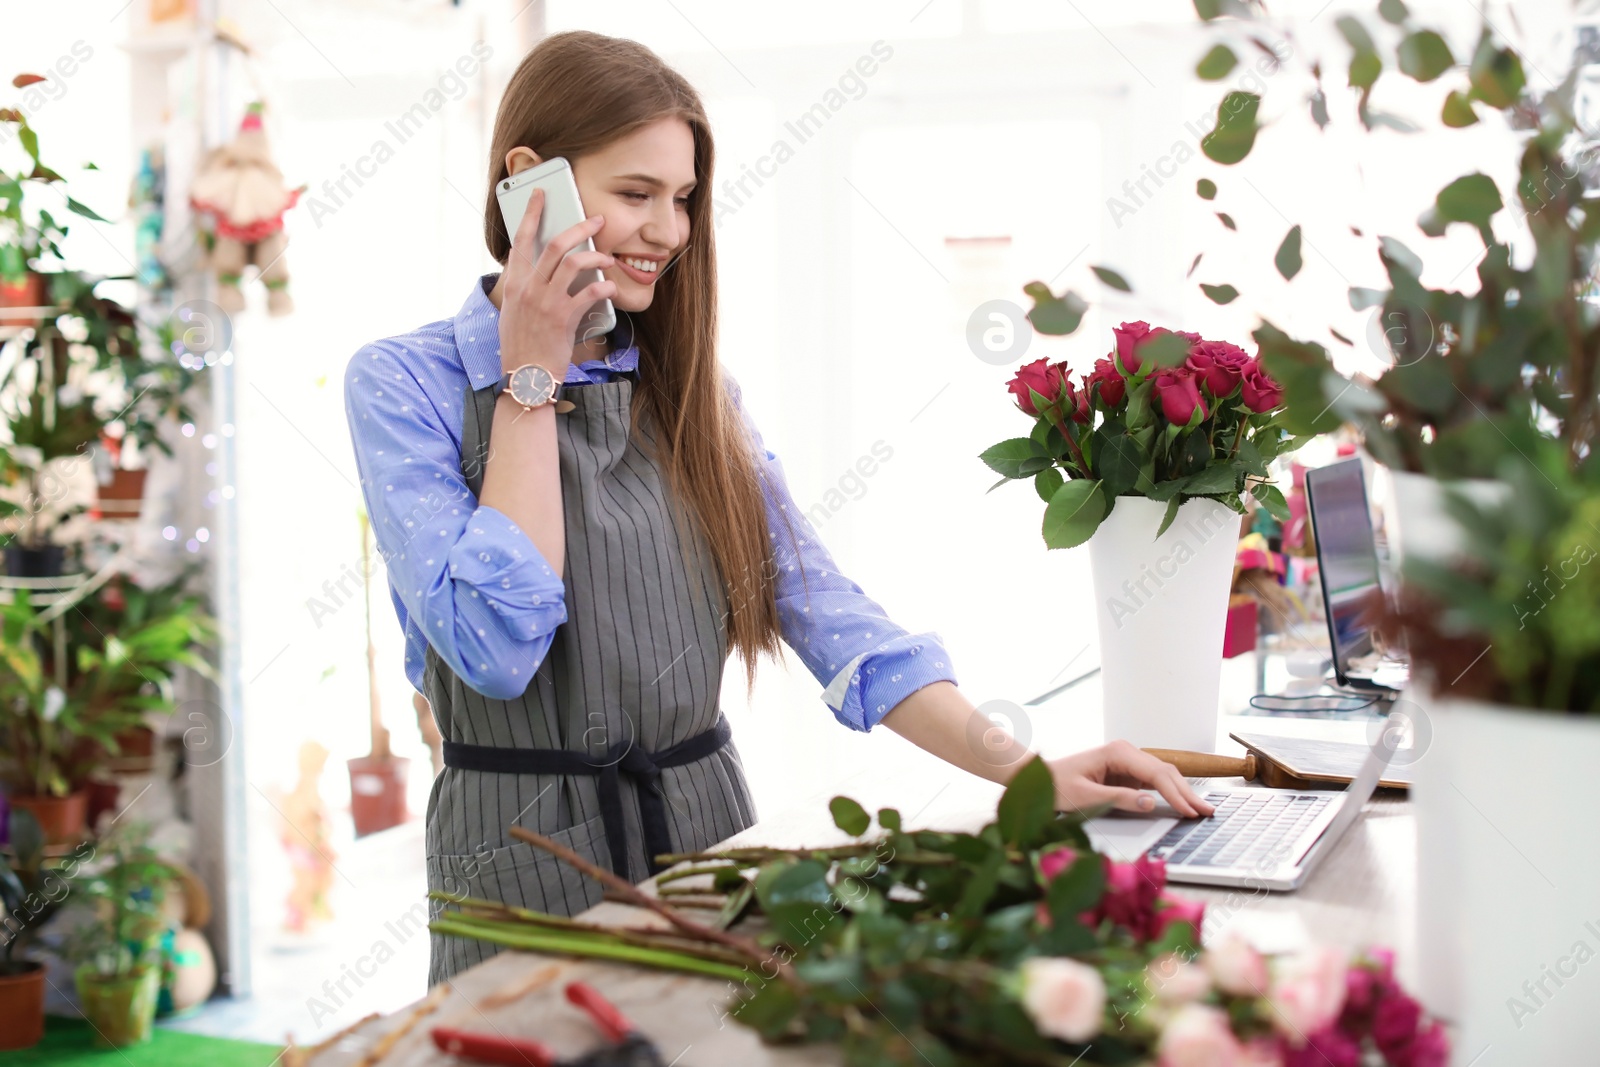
x: 62, y: 819
x: 46, y: 561
x: 1418, y: 520
x: 102, y: 798
x: 123, y: 496
x: 1508, y: 882
x: 121, y: 1010
x: 1162, y: 607
x: 32, y: 292
x: 377, y: 793
x: 21, y: 1004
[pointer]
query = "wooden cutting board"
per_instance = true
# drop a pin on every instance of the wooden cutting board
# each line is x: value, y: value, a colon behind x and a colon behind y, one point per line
x: 1331, y: 762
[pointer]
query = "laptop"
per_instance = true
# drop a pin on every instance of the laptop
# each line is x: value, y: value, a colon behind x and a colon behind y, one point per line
x: 1256, y: 839
x: 1347, y: 561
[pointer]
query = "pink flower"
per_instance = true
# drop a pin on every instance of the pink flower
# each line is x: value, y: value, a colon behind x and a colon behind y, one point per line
x: 1259, y: 392
x: 1055, y: 861
x: 1431, y: 1048
x: 1261, y: 1052
x: 1129, y: 337
x: 1307, y: 992
x: 1179, y: 394
x: 1043, y: 377
x: 1198, y: 1036
x: 1218, y: 364
x: 1326, y: 1048
x: 1172, y: 980
x: 1395, y: 1022
x: 1112, y: 386
x: 1173, y: 909
x: 1132, y: 890
x: 1237, y: 968
x: 1064, y: 998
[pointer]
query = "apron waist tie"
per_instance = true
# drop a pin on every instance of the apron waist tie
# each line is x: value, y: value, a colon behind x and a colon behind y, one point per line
x: 623, y: 758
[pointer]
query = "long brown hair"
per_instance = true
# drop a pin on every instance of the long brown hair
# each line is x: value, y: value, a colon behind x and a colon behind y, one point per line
x: 576, y: 92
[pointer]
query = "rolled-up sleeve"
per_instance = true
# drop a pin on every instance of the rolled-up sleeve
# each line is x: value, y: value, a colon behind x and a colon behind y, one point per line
x: 464, y: 576
x: 865, y: 663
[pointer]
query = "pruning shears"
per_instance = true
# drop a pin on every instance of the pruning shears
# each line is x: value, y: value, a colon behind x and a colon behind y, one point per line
x: 627, y: 1047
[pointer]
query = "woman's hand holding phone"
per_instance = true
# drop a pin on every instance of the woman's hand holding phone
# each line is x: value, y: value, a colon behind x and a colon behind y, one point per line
x: 539, y: 319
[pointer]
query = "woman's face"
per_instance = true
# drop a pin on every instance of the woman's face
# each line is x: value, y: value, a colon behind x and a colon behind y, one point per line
x: 641, y: 185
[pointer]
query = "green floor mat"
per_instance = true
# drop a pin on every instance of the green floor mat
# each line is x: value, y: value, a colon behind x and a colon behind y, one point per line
x: 70, y: 1042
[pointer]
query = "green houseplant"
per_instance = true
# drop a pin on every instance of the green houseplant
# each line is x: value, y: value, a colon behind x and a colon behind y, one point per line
x: 32, y: 890
x: 1491, y: 389
x: 118, y: 949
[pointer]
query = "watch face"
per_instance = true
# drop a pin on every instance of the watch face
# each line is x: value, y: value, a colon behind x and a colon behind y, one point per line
x: 531, y: 385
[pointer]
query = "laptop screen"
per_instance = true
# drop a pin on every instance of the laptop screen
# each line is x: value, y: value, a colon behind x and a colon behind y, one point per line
x: 1347, y: 555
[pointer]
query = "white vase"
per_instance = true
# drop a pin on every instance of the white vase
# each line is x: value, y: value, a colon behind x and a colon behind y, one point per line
x: 1508, y: 882
x: 1417, y: 520
x: 1162, y: 606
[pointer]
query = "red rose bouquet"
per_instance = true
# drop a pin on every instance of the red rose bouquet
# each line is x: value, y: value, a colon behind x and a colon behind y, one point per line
x: 1166, y: 415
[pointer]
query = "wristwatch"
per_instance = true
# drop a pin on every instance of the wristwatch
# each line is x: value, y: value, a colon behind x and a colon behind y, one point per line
x: 531, y: 386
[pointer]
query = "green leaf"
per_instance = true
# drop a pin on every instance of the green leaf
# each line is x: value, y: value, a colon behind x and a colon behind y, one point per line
x: 1028, y: 803
x: 1251, y: 459
x: 86, y: 212
x: 1235, y: 132
x: 981, y: 883
x: 889, y: 819
x: 1361, y: 299
x: 1047, y: 481
x: 1288, y: 259
x: 1220, y: 477
x: 1458, y: 110
x: 1217, y: 63
x: 1271, y: 498
x: 30, y: 142
x: 1496, y: 74
x: 1397, y: 253
x: 1355, y: 34
x: 1220, y: 294
x: 1074, y: 513
x: 1192, y: 457
x: 1365, y: 65
x: 1008, y: 456
x: 1168, y: 350
x: 1118, y: 464
x: 1424, y: 56
x: 1192, y: 266
x: 849, y: 816
x: 1209, y: 10
x: 1112, y: 278
x: 1392, y: 11
x: 1051, y: 314
x: 1227, y: 220
x: 1167, y: 516
x: 1472, y: 198
x: 1206, y: 188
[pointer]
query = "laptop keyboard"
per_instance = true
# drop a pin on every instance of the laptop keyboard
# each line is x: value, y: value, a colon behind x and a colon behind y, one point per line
x: 1245, y: 828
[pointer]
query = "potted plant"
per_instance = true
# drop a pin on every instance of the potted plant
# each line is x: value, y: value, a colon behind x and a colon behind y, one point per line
x: 378, y: 779
x: 1493, y: 391
x: 118, y: 949
x: 32, y: 890
x: 1149, y: 458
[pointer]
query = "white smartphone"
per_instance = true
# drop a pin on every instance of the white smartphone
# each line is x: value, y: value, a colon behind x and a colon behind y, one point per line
x: 562, y: 211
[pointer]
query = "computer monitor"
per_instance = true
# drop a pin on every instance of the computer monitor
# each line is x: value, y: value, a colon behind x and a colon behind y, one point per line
x: 1347, y: 558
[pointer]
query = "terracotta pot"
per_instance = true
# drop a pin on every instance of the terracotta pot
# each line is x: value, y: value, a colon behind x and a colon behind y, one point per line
x: 102, y: 798
x: 61, y: 818
x: 46, y: 561
x: 377, y: 793
x: 21, y: 1005
x: 121, y: 1010
x: 123, y: 496
x: 32, y: 292
x: 139, y: 742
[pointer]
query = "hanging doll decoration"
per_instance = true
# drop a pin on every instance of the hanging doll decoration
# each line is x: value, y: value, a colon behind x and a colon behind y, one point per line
x: 242, y: 192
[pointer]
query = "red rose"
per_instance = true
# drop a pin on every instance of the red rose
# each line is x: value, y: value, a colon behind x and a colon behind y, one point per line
x: 1179, y: 393
x: 1112, y: 387
x: 1129, y: 336
x: 1218, y: 364
x: 1260, y: 392
x: 1132, y: 890
x: 1078, y: 402
x: 1043, y: 377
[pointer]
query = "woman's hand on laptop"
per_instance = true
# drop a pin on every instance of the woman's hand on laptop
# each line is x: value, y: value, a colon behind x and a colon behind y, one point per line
x: 1118, y: 773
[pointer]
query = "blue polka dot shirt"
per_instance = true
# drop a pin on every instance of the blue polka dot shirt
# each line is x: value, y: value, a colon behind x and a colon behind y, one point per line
x: 465, y: 579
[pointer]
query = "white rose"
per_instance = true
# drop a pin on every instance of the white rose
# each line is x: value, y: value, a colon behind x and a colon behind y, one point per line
x: 1198, y: 1036
x: 1064, y: 998
x: 1236, y: 967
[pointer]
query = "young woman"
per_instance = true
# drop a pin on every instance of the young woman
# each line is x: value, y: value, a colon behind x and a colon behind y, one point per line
x: 577, y: 536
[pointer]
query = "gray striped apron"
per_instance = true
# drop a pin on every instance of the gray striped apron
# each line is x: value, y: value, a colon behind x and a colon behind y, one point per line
x: 631, y: 677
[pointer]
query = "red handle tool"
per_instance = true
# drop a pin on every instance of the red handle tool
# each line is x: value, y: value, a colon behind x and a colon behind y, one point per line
x: 492, y: 1048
